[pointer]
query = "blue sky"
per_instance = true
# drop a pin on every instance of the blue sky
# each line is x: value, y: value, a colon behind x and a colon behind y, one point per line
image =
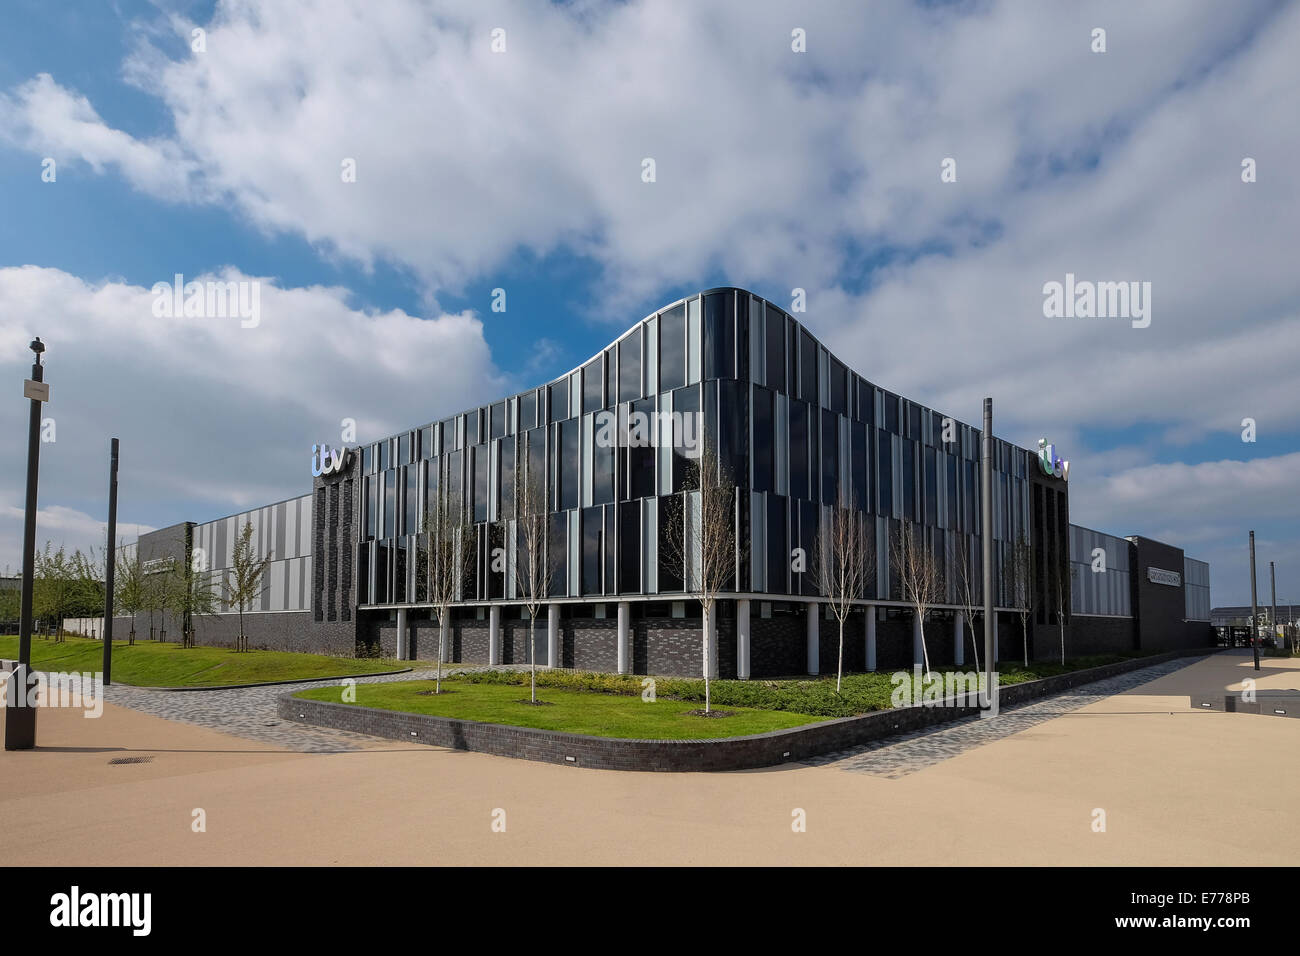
x: 776, y: 170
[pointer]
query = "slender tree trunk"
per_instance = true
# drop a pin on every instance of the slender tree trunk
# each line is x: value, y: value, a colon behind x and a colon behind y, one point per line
x: 437, y: 683
x: 974, y: 644
x: 708, y: 637
x: 839, y: 670
x: 532, y: 653
x: 925, y: 651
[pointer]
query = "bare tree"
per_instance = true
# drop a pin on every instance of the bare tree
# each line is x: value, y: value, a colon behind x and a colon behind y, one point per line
x: 1062, y: 596
x: 843, y: 563
x: 705, y: 552
x: 919, y: 576
x: 534, y: 567
x: 450, y: 560
x: 247, y: 578
x: 1018, y: 582
x: 967, y: 577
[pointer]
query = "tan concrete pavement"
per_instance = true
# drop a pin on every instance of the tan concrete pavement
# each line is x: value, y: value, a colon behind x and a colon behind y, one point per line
x: 1178, y: 787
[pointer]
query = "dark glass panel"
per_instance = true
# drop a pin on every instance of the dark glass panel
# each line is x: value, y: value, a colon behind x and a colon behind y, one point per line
x: 719, y: 335
x: 603, y: 452
x: 931, y: 487
x: 891, y: 412
x: 808, y: 368
x: 775, y: 350
x: 481, y: 462
x: 611, y: 378
x: 733, y: 432
x: 496, y: 563
x: 399, y: 575
x: 764, y: 427
x: 506, y: 502
x: 830, y: 456
x: 629, y: 547
x: 799, y: 484
x: 537, y: 457
x: 363, y: 573
x: 390, y: 503
x: 367, y: 458
x: 907, y: 449
x: 560, y: 400
x: 778, y: 548
x: 839, y: 387
x: 808, y: 511
x: 471, y: 428
x: 372, y: 505
x: 383, y: 454
x: 593, y: 386
x: 858, y: 464
x: 687, y: 437
x: 569, y: 460
x: 412, y: 499
x: 426, y: 442
x: 558, y: 546
x: 884, y: 473
x: 672, y: 349
x: 593, y: 534
x: 643, y: 437
x: 381, y: 575
x: 629, y: 368
x: 950, y: 464
x: 670, y: 543
x: 497, y: 425
x: 527, y: 411
x: 403, y: 449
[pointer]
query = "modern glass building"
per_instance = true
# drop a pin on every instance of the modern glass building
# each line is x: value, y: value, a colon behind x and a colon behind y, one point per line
x: 614, y: 442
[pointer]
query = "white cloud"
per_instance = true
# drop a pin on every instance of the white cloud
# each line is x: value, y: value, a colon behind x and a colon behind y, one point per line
x: 212, y: 417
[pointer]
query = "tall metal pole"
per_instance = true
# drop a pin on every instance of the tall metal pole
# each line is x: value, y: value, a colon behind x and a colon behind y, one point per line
x: 20, y: 721
x: 1254, y: 606
x: 109, y: 566
x: 1272, y: 584
x: 986, y: 542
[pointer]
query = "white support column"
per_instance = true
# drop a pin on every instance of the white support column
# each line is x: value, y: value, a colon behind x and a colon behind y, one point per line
x: 814, y: 643
x: 958, y: 639
x: 403, y: 647
x: 624, y: 637
x: 871, y: 637
x: 742, y: 639
x: 553, y: 635
x: 494, y: 634
x: 918, y: 652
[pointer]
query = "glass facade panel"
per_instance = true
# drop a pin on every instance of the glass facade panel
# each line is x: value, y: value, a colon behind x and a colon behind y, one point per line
x: 719, y: 335
x: 527, y: 411
x: 778, y: 550
x: 404, y: 448
x: 686, y: 434
x: 567, y: 461
x: 884, y: 473
x: 764, y: 432
x: 642, y: 439
x: 775, y: 350
x: 671, y: 537
x: 481, y: 462
x: 593, y: 539
x: 629, y: 368
x: 411, y: 525
x: 830, y: 456
x: 558, y: 549
x: 497, y: 427
x: 800, y: 486
x: 672, y: 349
x: 629, y: 547
x: 593, y: 386
x: 506, y: 465
x: 560, y: 400
x: 839, y: 387
x: 390, y: 503
x: 807, y: 368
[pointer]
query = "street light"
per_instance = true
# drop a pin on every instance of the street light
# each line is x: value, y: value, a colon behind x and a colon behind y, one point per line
x: 20, y: 721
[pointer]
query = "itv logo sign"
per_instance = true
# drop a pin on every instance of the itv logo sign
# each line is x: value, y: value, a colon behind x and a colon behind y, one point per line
x: 329, y: 461
x: 1050, y: 462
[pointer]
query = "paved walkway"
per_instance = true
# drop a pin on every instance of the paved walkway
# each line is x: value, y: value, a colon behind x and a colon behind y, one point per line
x: 907, y: 753
x: 250, y: 712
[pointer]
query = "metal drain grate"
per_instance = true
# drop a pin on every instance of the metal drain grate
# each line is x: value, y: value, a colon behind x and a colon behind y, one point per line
x: 117, y: 760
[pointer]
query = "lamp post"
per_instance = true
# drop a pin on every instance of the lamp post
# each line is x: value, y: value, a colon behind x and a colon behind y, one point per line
x: 109, y: 565
x: 20, y: 721
x: 986, y: 544
x: 1272, y: 617
x: 1254, y: 606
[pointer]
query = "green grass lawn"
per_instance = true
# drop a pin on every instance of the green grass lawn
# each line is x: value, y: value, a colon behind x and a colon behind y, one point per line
x: 571, y: 711
x: 162, y: 664
x: 816, y: 696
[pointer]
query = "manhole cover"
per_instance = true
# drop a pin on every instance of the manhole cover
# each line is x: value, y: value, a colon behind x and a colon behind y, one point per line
x: 117, y: 760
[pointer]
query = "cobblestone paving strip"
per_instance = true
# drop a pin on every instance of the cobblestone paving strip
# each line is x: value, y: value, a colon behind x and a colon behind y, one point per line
x: 907, y: 753
x: 250, y: 712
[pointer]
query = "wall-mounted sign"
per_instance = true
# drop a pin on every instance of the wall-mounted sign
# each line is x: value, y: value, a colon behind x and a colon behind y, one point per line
x: 1050, y: 462
x: 1161, y: 576
x: 329, y: 461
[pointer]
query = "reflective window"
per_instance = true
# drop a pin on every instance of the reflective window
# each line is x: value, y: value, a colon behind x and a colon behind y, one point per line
x: 858, y: 441
x: 839, y: 387
x: 390, y: 503
x: 799, y: 484
x: 568, y: 460
x: 593, y: 539
x: 527, y: 411
x: 687, y: 437
x: 764, y: 430
x: 367, y: 459
x: 399, y: 574
x: 480, y: 462
x: 471, y: 428
x: 593, y: 384
x: 611, y: 378
x: 506, y: 464
x: 778, y: 549
x: 672, y: 348
x: 383, y: 455
x: 807, y: 368
x: 775, y: 350
x: 403, y: 449
x: 642, y: 439
x: 558, y: 547
x: 602, y: 457
x: 884, y: 473
x: 629, y: 547
x: 907, y: 450
x: 830, y: 456
x: 560, y: 400
x: 426, y: 442
x: 931, y: 487
x: 671, y: 538
x: 498, y: 420
x: 891, y: 412
x: 719, y: 336
x: 629, y: 368
x: 733, y: 432
x: 412, y: 499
